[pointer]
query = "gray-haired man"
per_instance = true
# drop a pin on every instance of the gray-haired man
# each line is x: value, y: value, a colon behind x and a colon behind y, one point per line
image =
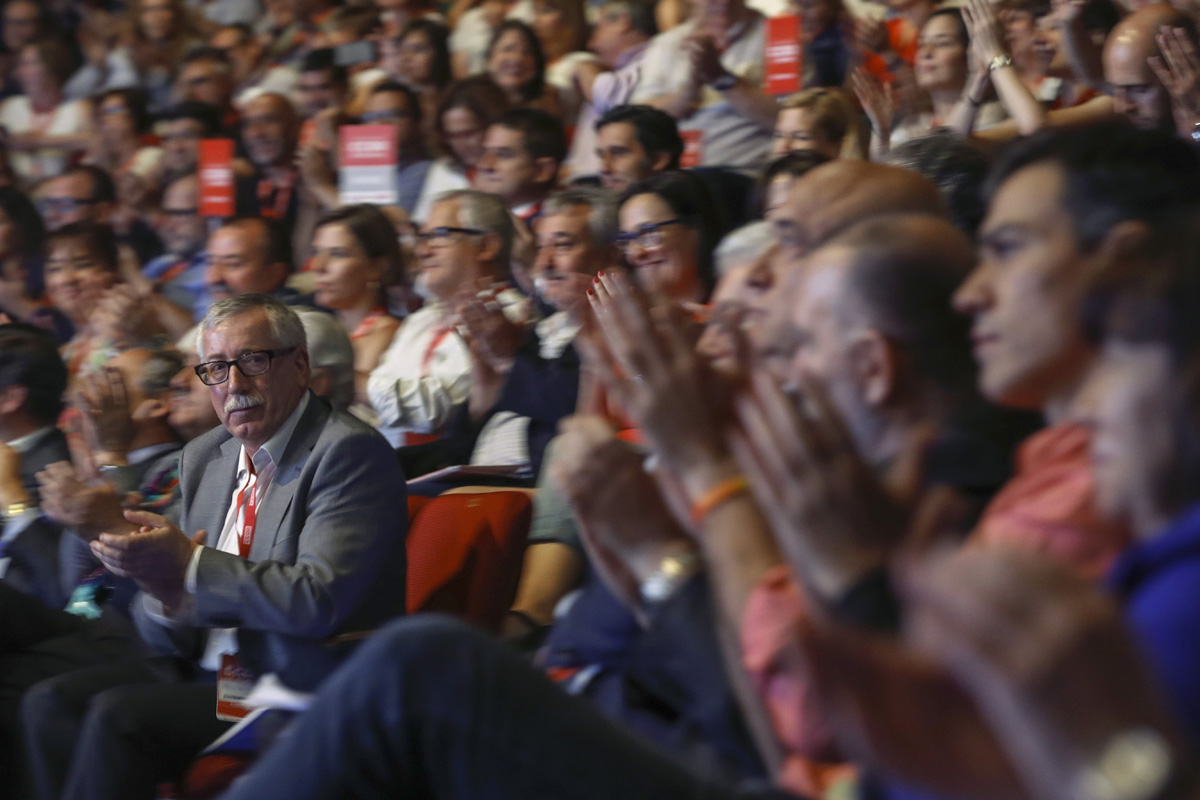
x: 304, y: 509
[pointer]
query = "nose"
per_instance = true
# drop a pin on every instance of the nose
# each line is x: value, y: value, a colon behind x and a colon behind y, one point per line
x: 487, y: 161
x: 972, y: 296
x: 213, y: 274
x: 237, y: 382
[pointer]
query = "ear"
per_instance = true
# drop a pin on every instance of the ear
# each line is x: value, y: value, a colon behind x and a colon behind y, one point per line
x: 660, y: 161
x: 320, y: 382
x: 873, y: 365
x: 302, y: 364
x: 151, y: 409
x: 545, y: 170
x: 12, y: 398
x: 489, y: 247
x: 1122, y: 240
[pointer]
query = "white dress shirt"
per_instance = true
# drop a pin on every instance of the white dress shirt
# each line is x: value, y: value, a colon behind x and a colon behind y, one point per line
x: 426, y: 371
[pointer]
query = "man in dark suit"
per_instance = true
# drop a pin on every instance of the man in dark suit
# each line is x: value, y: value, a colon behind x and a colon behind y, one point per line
x: 305, y: 510
x: 33, y: 379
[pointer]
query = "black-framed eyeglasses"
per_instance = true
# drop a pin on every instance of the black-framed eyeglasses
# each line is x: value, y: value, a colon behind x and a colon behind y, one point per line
x: 440, y: 237
x: 384, y: 116
x: 257, y: 362
x: 647, y: 236
x: 63, y: 205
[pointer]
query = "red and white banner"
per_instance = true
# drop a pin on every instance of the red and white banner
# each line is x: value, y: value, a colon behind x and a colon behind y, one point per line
x: 215, y: 165
x: 367, y: 161
x: 782, y: 55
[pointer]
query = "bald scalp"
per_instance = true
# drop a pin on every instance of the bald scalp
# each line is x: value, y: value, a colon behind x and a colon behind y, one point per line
x: 841, y: 193
x: 1134, y: 37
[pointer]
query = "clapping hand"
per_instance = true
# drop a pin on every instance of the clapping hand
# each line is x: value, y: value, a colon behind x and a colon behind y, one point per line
x: 649, y: 363
x: 625, y: 523
x: 103, y: 401
x: 1178, y: 68
x: 490, y: 334
x: 1049, y: 662
x: 86, y: 508
x: 877, y: 101
x: 156, y: 555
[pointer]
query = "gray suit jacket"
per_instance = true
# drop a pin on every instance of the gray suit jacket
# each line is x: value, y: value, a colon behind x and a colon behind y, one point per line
x: 328, y: 552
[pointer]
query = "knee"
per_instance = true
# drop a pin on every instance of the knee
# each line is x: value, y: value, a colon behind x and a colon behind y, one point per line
x: 43, y: 703
x: 426, y: 638
x: 113, y: 711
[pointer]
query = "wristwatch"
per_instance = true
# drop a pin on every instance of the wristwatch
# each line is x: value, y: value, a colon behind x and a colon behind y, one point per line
x: 14, y: 510
x: 671, y: 574
x: 999, y: 62
x: 725, y: 82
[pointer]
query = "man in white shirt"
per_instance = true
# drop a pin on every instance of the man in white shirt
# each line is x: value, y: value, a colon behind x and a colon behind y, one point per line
x: 708, y: 74
x: 465, y: 241
x: 306, y: 514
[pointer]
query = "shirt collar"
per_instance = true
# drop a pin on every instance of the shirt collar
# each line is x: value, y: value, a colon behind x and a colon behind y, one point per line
x: 24, y: 444
x: 275, y: 447
x: 629, y: 55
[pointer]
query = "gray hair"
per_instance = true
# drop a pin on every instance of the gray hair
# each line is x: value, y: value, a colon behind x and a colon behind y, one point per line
x: 329, y: 349
x: 603, y: 205
x: 742, y: 245
x: 158, y: 371
x: 286, y: 329
x: 486, y: 212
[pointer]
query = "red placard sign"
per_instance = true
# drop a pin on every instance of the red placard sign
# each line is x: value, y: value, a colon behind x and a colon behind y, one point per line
x: 782, y: 55
x: 693, y: 149
x: 367, y: 164
x: 215, y: 164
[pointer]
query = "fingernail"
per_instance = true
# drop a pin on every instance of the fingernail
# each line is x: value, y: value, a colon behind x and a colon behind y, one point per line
x: 600, y: 273
x: 594, y: 280
x: 591, y: 293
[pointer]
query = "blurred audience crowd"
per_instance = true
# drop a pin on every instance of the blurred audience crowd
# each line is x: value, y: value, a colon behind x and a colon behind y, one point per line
x: 857, y: 423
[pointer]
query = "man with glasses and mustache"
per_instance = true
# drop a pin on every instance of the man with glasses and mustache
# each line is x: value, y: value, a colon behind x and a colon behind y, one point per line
x: 291, y: 533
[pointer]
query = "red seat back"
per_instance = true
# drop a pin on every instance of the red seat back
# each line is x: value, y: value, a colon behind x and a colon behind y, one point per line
x: 465, y: 553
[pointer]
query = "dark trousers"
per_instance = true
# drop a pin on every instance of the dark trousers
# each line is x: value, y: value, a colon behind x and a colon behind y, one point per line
x: 431, y: 708
x: 39, y: 642
x: 117, y: 731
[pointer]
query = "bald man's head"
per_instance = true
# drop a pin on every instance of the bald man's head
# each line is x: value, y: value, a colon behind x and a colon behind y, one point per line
x: 840, y: 193
x: 269, y: 130
x: 1137, y: 93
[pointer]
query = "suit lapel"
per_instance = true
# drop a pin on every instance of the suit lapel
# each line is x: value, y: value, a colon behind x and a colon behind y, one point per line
x: 282, y: 491
x: 214, y: 492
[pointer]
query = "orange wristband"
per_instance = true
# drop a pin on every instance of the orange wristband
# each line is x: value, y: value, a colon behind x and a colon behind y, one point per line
x: 724, y: 490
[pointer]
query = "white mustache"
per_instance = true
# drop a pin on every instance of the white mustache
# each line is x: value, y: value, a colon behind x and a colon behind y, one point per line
x: 240, y: 402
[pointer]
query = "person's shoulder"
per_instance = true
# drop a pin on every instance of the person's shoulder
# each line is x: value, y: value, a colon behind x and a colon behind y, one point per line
x: 343, y: 430
x: 205, y: 445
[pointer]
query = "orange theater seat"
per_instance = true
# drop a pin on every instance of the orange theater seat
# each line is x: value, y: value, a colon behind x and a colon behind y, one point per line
x: 465, y: 553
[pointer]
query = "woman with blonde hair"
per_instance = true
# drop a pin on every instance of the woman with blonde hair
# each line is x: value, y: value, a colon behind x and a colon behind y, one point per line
x: 821, y: 120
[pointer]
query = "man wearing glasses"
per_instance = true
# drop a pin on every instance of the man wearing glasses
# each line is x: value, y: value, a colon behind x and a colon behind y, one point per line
x: 86, y: 193
x: 465, y: 243
x: 292, y: 532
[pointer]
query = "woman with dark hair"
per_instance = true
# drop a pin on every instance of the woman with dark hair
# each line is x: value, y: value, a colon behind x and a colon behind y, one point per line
x: 22, y: 282
x: 81, y: 267
x: 357, y: 258
x: 517, y: 64
x: 462, y: 118
x: 42, y: 128
x: 562, y: 28
x: 124, y: 147
x: 669, y: 228
x: 420, y: 59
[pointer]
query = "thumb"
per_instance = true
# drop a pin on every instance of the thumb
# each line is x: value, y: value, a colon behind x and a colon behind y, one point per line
x: 145, y: 518
x: 200, y: 537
